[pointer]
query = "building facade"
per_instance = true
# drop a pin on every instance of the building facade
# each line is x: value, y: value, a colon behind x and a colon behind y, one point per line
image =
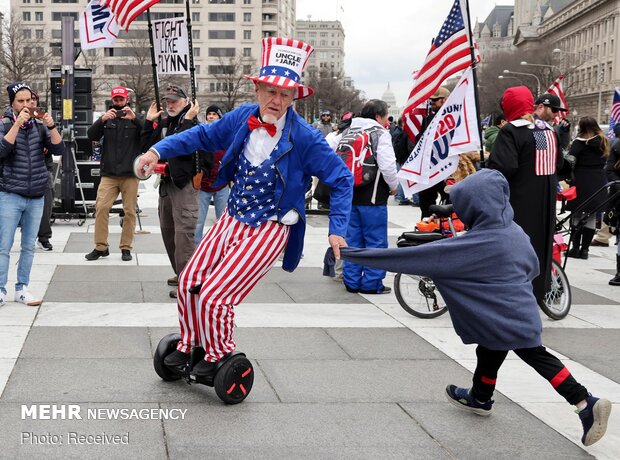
x: 225, y: 33
x: 327, y: 38
x: 496, y: 33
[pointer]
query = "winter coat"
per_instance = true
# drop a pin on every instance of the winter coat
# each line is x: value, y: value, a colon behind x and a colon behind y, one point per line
x: 589, y: 173
x: 485, y: 276
x: 489, y: 137
x: 120, y: 145
x: 22, y: 164
x: 532, y: 197
x: 612, y: 171
x: 302, y: 153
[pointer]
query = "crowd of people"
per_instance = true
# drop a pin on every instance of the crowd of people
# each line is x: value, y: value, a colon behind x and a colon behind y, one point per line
x: 256, y: 162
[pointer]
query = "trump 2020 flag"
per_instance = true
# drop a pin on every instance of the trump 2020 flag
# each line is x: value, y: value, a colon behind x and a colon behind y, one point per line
x: 453, y: 130
x: 98, y: 26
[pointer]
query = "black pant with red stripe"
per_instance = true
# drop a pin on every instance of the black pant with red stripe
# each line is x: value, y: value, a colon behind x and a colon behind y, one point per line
x: 543, y: 362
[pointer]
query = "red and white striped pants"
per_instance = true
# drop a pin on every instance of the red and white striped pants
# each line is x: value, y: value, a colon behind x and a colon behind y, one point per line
x: 230, y: 259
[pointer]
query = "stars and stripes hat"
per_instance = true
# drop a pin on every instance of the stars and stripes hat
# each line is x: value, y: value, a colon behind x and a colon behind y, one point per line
x: 283, y: 60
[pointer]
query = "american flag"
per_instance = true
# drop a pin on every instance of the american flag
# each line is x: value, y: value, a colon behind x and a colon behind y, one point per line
x: 556, y: 88
x: 546, y: 151
x: 126, y: 11
x: 448, y: 54
x: 614, y: 114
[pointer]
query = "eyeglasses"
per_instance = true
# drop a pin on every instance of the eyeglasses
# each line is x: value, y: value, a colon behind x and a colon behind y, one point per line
x: 554, y: 110
x: 435, y: 99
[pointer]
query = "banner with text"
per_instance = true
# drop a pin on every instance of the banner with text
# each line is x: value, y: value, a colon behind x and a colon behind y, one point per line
x: 171, y: 46
x: 98, y: 26
x: 453, y: 130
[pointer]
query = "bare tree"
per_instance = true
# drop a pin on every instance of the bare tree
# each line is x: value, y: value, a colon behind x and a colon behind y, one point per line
x: 231, y: 87
x: 22, y: 56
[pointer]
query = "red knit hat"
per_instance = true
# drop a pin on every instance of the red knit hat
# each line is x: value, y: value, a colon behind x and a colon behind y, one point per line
x: 516, y: 102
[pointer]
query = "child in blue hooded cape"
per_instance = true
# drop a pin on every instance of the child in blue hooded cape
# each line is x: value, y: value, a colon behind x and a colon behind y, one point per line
x: 494, y: 305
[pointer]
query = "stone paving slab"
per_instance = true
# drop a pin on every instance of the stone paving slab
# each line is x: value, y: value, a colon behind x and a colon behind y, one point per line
x: 302, y: 431
x: 95, y: 291
x: 583, y: 297
x: 276, y: 343
x: 508, y: 433
x: 596, y: 349
x: 18, y: 437
x: 146, y: 244
x: 345, y: 381
x: 116, y: 380
x: 110, y: 273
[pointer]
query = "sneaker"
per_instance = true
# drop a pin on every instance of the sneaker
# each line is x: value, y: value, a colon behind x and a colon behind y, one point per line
x: 461, y: 397
x: 126, y: 255
x: 615, y: 281
x: 96, y: 253
x: 177, y: 359
x: 45, y: 245
x: 204, y: 369
x: 386, y: 290
x: 173, y: 294
x: 2, y: 296
x: 26, y: 298
x: 594, y: 419
x: 174, y: 281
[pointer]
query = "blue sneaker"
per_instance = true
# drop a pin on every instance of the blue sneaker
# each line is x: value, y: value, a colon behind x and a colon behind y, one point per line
x: 594, y: 419
x: 461, y: 397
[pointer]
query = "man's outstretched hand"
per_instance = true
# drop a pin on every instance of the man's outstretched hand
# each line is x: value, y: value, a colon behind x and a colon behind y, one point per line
x: 146, y: 163
x: 337, y: 242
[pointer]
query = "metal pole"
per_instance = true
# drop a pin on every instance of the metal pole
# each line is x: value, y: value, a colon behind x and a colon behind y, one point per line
x: 192, y: 69
x: 600, y: 95
x: 153, y: 63
x: 67, y: 80
x: 475, y: 81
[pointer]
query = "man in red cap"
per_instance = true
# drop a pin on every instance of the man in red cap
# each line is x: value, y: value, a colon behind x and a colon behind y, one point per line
x: 120, y: 130
x: 272, y: 153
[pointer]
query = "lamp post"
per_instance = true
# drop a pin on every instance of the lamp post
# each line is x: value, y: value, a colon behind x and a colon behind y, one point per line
x: 550, y: 66
x: 503, y: 77
x: 599, y: 78
x: 529, y: 75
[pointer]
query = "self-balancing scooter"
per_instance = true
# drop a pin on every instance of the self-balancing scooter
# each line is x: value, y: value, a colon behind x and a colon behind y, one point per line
x: 232, y: 380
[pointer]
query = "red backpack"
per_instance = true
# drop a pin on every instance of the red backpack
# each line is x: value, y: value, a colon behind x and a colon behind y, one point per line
x: 357, y: 148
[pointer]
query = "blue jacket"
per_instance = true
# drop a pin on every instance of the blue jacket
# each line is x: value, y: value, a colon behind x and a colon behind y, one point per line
x: 23, y: 164
x: 485, y: 276
x: 302, y: 153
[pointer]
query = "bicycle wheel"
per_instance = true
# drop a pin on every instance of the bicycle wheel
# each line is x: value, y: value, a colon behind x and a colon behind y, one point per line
x: 557, y: 301
x: 419, y: 296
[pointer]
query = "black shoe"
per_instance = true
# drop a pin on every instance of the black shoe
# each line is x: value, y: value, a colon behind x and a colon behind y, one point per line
x: 583, y: 254
x: 574, y: 253
x: 204, y: 369
x: 386, y: 290
x: 599, y: 243
x: 615, y: 281
x: 96, y: 253
x: 173, y: 294
x: 174, y: 281
x: 126, y: 255
x: 176, y: 360
x: 351, y: 290
x: 45, y: 245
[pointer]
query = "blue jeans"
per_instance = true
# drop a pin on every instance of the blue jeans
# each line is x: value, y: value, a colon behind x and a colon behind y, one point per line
x: 16, y: 209
x: 367, y: 229
x: 220, y: 199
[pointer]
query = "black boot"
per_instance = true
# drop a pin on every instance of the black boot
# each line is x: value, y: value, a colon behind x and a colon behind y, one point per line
x: 575, y: 243
x: 615, y: 281
x: 586, y: 239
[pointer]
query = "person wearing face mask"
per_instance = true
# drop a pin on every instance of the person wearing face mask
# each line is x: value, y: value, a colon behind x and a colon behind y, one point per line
x: 119, y: 130
x: 271, y: 154
x: 23, y: 183
x: 178, y: 199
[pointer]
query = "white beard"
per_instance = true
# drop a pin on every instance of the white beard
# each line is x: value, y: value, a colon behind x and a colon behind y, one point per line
x: 269, y: 119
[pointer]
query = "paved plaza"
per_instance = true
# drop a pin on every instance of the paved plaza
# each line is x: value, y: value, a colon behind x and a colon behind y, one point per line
x: 338, y: 375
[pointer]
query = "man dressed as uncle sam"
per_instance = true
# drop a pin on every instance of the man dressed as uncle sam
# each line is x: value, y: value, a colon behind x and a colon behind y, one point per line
x: 272, y: 155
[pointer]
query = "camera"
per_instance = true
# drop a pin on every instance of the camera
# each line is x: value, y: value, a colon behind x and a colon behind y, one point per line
x: 120, y: 113
x: 36, y: 112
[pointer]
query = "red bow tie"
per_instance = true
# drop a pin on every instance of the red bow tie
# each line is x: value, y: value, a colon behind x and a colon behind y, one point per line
x: 254, y: 123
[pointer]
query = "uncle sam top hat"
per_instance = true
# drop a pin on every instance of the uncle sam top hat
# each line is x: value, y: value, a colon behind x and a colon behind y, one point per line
x: 283, y: 60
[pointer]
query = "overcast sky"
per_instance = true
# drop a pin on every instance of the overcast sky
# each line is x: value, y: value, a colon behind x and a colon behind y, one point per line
x: 384, y: 41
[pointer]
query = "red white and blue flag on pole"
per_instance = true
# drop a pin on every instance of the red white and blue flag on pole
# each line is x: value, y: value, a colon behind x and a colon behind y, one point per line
x: 614, y: 114
x: 448, y: 55
x: 128, y: 10
x: 556, y: 88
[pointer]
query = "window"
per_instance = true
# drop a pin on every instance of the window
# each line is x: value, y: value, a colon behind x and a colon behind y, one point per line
x: 195, y: 2
x: 323, y: 34
x: 197, y: 69
x: 196, y: 52
x: 26, y: 1
x: 196, y: 34
x: 247, y: 69
x: 221, y: 86
x: 247, y: 2
x: 195, y: 17
x: 247, y: 17
x: 301, y: 35
x: 27, y: 33
x: 222, y: 34
x: 222, y: 17
x: 228, y: 2
x: 220, y: 69
x: 247, y: 52
x: 58, y: 16
x: 26, y: 15
x: 57, y: 1
x: 38, y: 34
x: 38, y: 15
x: 221, y: 52
x: 247, y: 35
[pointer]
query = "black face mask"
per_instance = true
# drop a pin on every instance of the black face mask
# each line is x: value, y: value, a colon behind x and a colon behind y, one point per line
x: 119, y: 107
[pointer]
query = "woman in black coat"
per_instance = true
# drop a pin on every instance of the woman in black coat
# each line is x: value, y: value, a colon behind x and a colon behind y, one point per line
x: 590, y: 150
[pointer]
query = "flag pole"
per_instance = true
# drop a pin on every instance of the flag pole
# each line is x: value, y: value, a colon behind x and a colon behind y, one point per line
x: 475, y: 79
x: 153, y: 63
x: 192, y: 69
